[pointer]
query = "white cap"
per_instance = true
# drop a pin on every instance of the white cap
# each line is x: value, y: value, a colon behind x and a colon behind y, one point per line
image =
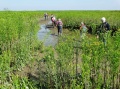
x: 103, y: 19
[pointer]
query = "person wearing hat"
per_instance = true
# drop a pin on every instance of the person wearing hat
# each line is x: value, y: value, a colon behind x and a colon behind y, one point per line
x: 83, y: 30
x: 59, y: 25
x: 104, y: 24
x: 53, y: 21
x: 46, y: 16
x: 103, y: 29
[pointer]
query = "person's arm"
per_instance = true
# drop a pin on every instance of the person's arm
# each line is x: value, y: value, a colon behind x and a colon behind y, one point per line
x: 108, y: 26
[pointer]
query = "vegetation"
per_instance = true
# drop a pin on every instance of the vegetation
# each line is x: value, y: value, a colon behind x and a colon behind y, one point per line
x: 72, y: 64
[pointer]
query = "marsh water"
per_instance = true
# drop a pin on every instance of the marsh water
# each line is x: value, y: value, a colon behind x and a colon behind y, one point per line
x: 47, y: 36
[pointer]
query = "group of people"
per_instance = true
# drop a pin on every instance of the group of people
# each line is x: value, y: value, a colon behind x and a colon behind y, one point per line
x: 55, y: 23
x: 103, y: 28
x: 101, y: 31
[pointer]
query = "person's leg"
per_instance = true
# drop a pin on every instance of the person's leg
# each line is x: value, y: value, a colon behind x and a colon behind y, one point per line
x: 53, y: 23
x: 60, y: 30
x: 45, y: 17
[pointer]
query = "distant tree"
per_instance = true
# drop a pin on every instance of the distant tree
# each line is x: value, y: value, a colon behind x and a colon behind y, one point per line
x: 6, y: 9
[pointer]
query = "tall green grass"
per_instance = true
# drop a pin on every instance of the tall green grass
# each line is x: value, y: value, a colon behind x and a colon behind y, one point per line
x: 71, y: 64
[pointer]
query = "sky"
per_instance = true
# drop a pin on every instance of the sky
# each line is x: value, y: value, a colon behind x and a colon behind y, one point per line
x: 19, y: 5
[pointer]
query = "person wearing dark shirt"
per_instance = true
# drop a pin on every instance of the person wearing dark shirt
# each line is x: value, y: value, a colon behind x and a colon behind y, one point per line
x: 103, y: 29
x: 104, y: 25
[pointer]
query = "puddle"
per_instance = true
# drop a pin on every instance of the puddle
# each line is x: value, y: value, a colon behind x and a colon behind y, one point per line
x: 47, y: 37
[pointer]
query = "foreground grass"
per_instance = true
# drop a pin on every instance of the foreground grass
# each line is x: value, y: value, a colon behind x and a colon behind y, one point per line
x: 71, y: 64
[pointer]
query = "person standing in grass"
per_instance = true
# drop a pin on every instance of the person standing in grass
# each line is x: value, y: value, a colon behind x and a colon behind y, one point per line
x: 46, y: 16
x: 103, y: 30
x: 104, y: 27
x: 59, y: 25
x: 83, y: 30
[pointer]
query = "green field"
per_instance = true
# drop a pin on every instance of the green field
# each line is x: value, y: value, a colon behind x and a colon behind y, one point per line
x: 71, y: 64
